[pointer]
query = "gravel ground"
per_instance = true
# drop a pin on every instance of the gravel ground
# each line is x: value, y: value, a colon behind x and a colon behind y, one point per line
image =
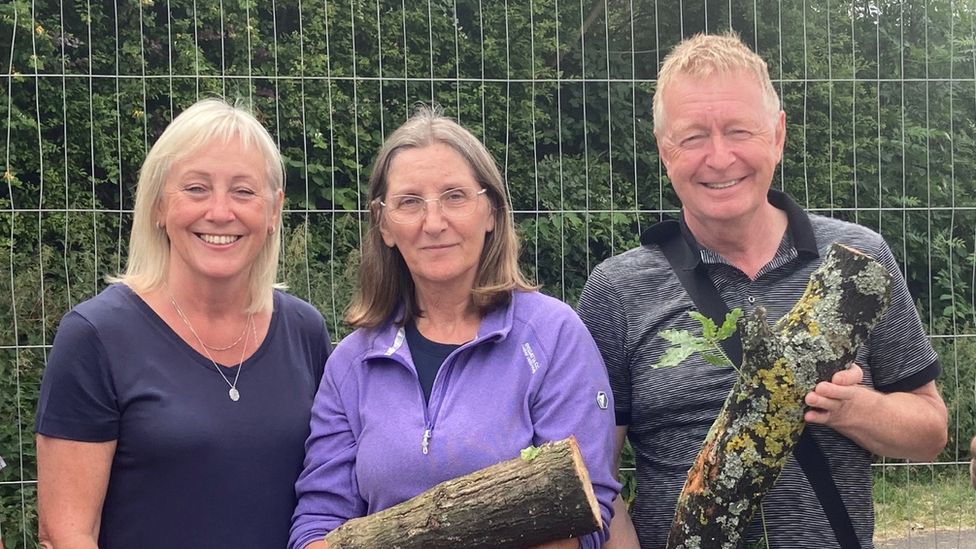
x: 944, y: 539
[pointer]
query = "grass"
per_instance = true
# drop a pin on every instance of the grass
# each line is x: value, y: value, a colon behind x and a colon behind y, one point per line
x: 916, y: 499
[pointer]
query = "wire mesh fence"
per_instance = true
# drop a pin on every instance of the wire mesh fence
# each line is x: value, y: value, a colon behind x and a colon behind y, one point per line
x: 880, y: 99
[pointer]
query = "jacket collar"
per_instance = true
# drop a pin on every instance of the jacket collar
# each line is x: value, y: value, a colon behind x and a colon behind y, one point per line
x: 798, y: 224
x: 388, y: 339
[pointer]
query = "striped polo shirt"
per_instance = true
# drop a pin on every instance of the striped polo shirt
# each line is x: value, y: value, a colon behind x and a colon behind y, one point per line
x: 630, y: 298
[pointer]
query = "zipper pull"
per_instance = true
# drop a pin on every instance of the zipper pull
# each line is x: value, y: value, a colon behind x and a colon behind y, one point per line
x: 425, y: 443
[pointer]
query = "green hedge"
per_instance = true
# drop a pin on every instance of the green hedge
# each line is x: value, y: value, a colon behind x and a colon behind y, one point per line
x: 880, y: 104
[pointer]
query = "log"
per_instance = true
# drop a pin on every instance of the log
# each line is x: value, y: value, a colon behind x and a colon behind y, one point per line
x: 762, y: 419
x: 542, y: 496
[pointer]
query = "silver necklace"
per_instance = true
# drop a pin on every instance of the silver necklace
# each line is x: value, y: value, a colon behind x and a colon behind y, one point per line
x: 233, y: 393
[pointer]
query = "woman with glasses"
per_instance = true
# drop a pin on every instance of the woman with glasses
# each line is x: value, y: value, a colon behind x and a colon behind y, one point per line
x: 457, y: 362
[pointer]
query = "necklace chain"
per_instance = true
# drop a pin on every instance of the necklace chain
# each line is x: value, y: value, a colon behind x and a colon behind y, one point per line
x: 234, y: 394
x: 232, y: 345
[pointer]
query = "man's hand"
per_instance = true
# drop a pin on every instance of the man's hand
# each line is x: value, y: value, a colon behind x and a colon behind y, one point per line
x: 831, y: 401
x: 902, y: 424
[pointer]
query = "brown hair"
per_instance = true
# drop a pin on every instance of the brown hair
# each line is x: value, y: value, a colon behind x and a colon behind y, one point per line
x: 384, y: 278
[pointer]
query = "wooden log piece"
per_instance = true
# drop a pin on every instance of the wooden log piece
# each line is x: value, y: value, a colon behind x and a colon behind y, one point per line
x: 543, y: 496
x: 762, y: 419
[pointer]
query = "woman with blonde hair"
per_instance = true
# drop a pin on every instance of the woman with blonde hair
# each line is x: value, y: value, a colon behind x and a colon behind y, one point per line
x: 457, y: 361
x: 175, y: 404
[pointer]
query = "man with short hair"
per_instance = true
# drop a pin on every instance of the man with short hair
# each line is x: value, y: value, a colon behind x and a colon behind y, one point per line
x: 720, y: 134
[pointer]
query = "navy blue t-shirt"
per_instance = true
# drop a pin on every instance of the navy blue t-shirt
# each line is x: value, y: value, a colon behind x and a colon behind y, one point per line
x: 428, y: 356
x: 192, y: 469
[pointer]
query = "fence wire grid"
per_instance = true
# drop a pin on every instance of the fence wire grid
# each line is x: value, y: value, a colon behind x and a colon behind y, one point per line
x: 880, y: 97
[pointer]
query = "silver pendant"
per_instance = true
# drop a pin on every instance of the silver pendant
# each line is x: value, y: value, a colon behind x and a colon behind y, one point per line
x: 234, y: 394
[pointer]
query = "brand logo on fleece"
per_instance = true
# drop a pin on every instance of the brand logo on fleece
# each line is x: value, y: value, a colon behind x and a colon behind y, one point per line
x: 530, y: 356
x: 602, y: 400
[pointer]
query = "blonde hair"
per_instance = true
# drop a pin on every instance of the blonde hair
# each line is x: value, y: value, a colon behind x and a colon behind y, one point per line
x: 704, y: 55
x: 384, y: 278
x: 204, y: 122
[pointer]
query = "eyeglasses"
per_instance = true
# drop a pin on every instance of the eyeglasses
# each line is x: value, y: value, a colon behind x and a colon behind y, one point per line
x: 410, y: 208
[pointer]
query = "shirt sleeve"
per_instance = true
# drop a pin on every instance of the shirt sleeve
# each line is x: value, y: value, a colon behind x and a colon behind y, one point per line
x: 898, y: 353
x: 574, y: 398
x: 77, y: 399
x: 601, y: 311
x: 327, y: 489
x: 324, y: 352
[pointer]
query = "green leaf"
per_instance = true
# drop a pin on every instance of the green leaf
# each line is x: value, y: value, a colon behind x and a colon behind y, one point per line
x: 684, y: 343
x: 715, y: 359
x: 680, y: 337
x: 708, y: 326
x: 675, y: 356
x: 530, y: 453
x: 730, y: 324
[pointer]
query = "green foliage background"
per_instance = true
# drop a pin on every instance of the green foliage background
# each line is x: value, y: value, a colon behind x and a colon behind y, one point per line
x: 880, y: 97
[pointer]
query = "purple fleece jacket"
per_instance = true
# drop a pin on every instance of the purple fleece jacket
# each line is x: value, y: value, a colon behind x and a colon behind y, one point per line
x: 532, y: 375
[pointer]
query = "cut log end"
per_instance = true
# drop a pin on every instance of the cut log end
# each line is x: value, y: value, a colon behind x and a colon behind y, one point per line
x: 584, y: 475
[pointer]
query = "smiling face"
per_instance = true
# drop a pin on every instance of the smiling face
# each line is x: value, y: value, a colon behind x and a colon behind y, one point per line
x: 720, y: 145
x: 218, y: 210
x: 439, y: 251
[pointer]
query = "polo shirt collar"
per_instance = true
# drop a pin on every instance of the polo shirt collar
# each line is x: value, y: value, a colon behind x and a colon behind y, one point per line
x: 798, y: 225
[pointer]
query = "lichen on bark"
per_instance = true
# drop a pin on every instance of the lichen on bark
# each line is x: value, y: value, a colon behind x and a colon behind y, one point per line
x: 762, y: 418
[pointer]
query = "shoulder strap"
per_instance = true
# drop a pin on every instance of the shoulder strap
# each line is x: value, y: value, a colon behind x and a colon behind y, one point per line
x: 709, y: 302
x: 703, y: 293
x: 814, y: 464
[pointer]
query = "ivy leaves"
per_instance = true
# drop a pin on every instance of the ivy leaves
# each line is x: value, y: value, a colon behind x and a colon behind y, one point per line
x: 684, y: 343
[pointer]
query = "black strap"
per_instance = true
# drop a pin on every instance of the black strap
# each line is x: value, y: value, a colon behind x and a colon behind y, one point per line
x: 814, y: 464
x: 692, y: 275
x: 703, y: 293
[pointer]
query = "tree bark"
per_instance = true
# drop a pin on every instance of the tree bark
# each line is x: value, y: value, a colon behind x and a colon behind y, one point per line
x: 517, y: 503
x: 762, y: 419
